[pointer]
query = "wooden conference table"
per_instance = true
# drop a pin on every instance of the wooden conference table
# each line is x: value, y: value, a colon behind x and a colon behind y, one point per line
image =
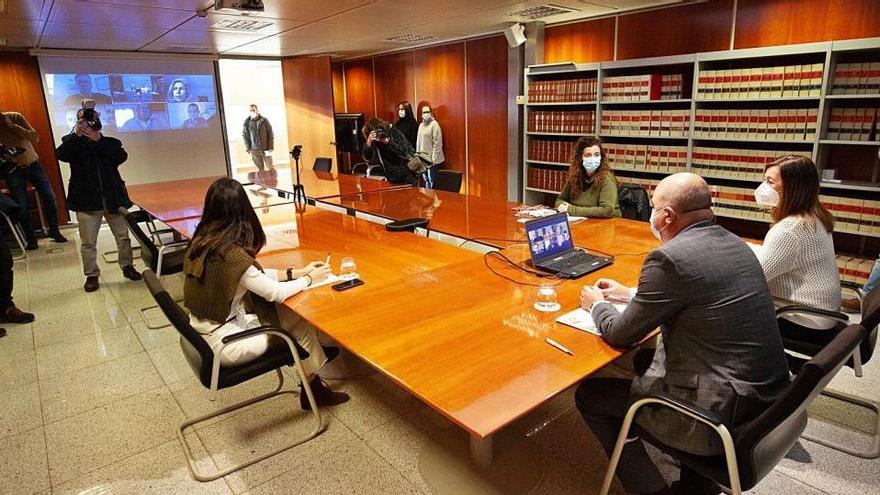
x: 433, y: 317
x: 176, y: 199
x: 320, y: 185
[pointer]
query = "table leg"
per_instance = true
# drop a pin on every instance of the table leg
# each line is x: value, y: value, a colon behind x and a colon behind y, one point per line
x: 481, y: 450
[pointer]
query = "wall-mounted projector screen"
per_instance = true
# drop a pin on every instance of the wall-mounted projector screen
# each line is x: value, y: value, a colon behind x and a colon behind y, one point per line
x: 164, y: 111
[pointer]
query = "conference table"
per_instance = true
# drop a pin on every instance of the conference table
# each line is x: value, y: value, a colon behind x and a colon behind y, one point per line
x: 321, y: 185
x: 454, y: 328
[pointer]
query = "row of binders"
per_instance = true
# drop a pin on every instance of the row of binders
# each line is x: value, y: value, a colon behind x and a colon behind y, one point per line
x: 853, y: 215
x: 854, y: 269
x: 791, y: 81
x: 796, y: 124
x: 547, y: 179
x: 565, y: 91
x: 861, y: 78
x: 646, y: 157
x: 645, y: 87
x: 550, y: 151
x: 854, y: 124
x: 562, y: 122
x: 655, y: 122
x: 734, y: 164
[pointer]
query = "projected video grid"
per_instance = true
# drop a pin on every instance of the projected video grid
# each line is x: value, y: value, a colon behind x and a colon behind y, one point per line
x: 137, y: 102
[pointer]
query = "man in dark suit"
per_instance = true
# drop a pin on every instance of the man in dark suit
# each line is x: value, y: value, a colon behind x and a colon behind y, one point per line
x: 720, y: 348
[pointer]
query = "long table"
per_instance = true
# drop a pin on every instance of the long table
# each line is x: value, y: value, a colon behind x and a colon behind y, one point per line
x: 322, y: 185
x: 476, y: 353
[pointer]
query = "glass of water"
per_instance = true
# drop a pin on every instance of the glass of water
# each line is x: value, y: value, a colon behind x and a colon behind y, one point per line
x: 347, y: 269
x: 547, y: 298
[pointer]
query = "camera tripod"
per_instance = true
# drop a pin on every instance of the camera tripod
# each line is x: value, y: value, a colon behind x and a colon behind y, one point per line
x: 299, y: 191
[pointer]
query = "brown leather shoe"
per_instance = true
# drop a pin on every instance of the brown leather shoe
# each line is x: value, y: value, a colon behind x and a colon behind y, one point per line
x: 323, y: 395
x: 91, y: 284
x: 851, y: 306
x: 15, y: 315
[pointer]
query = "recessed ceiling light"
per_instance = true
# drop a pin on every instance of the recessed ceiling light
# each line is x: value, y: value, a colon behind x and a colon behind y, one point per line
x: 411, y: 38
x: 246, y: 25
x: 541, y: 11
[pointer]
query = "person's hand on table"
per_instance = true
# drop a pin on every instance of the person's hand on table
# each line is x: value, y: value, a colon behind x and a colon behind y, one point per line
x: 563, y: 207
x: 590, y: 295
x: 612, y: 289
x: 319, y: 274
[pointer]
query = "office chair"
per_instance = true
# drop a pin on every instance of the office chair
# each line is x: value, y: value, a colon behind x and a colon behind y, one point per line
x: 17, y: 234
x: 634, y: 202
x: 448, y: 180
x: 810, y: 343
x: 322, y: 164
x: 157, y: 257
x: 752, y: 450
x: 205, y: 363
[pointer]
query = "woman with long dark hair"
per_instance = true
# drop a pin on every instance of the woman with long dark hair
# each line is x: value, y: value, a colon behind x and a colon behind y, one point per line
x: 222, y: 275
x: 798, y: 252
x: 591, y: 189
x: 406, y: 122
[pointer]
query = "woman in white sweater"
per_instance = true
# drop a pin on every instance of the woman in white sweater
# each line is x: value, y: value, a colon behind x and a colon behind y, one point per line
x: 798, y: 252
x: 429, y: 140
x: 222, y: 275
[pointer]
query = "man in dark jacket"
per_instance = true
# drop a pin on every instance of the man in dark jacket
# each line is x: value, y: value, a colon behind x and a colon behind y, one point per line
x: 259, y: 140
x: 97, y: 190
x: 393, y: 151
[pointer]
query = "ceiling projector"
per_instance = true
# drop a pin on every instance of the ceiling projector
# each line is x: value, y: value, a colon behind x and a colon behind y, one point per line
x: 241, y: 6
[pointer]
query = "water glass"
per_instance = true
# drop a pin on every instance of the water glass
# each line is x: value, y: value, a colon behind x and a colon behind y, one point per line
x: 547, y: 298
x: 347, y: 269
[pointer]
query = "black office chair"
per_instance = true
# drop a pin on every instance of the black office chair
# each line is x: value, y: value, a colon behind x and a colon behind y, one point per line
x: 162, y: 258
x: 811, y: 342
x: 448, y: 180
x: 205, y: 363
x: 322, y: 164
x: 634, y: 202
x: 752, y: 450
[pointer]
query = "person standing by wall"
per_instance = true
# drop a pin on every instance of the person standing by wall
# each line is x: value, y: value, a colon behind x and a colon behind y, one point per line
x: 16, y: 131
x: 259, y: 139
x: 406, y: 122
x: 430, y: 141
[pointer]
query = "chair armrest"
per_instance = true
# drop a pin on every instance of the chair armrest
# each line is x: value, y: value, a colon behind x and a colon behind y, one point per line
x: 355, y: 166
x: 672, y: 402
x: 846, y: 284
x: 263, y: 329
x: 831, y: 315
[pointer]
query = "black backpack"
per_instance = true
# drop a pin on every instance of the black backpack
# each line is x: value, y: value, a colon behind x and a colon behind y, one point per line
x: 634, y: 204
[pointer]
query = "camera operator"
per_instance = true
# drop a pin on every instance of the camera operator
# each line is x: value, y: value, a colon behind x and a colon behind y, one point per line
x: 97, y: 190
x: 17, y: 132
x: 393, y: 150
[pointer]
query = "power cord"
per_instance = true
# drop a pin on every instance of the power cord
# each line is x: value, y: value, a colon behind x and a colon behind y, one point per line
x: 499, y: 255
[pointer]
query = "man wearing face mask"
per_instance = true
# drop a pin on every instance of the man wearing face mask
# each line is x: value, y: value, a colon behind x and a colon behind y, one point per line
x: 720, y: 350
x: 430, y: 141
x: 258, y: 139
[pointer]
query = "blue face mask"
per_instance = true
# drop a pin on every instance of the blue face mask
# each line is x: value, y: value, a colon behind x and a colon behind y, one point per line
x: 592, y: 163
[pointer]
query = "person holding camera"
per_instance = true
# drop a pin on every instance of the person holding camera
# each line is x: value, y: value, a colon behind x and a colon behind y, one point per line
x: 15, y: 131
x: 97, y: 190
x: 392, y: 149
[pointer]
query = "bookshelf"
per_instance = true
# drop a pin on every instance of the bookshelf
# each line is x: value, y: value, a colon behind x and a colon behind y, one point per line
x: 740, y: 108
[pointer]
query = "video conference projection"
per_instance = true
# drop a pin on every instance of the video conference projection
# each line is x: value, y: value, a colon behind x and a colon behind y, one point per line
x: 165, y: 111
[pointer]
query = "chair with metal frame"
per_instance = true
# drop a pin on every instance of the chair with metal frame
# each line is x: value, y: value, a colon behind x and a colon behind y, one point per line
x: 18, y: 235
x: 811, y: 343
x: 752, y: 450
x: 205, y: 363
x: 157, y: 257
x: 448, y: 180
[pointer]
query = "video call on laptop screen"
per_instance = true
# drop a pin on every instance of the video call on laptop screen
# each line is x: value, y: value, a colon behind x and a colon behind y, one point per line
x: 550, y: 236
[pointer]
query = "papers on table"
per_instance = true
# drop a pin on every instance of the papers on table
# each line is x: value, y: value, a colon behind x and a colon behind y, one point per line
x: 582, y: 320
x: 332, y: 279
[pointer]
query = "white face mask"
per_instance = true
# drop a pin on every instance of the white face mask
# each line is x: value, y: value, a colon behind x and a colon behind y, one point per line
x: 401, y: 113
x: 427, y: 116
x: 765, y: 195
x: 592, y: 163
x: 653, y: 228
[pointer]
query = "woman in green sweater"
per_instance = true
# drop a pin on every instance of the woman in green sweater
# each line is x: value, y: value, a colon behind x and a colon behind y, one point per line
x: 591, y: 189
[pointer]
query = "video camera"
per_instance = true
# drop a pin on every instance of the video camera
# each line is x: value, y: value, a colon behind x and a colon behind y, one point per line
x: 8, y: 154
x: 91, y: 116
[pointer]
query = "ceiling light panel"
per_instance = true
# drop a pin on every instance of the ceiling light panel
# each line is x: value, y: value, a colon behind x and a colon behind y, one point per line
x: 411, y: 38
x: 242, y: 25
x: 541, y: 12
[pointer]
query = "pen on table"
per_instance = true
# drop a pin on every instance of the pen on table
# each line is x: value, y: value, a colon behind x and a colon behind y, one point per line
x: 327, y: 261
x: 558, y: 346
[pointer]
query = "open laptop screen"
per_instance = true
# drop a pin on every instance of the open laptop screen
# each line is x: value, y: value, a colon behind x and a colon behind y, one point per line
x: 549, y: 236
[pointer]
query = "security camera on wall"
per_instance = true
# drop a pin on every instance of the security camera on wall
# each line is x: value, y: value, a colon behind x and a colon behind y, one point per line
x: 515, y: 34
x: 241, y: 6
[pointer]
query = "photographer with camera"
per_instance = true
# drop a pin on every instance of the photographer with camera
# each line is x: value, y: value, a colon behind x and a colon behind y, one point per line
x: 392, y: 149
x: 15, y: 131
x: 97, y: 190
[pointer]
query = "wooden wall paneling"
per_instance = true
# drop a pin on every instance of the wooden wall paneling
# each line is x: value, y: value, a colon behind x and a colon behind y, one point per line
x: 21, y: 91
x: 588, y: 41
x: 703, y: 27
x: 439, y: 76
x: 308, y: 97
x: 487, y: 117
x: 359, y: 87
x: 336, y: 72
x: 394, y: 83
x: 782, y: 22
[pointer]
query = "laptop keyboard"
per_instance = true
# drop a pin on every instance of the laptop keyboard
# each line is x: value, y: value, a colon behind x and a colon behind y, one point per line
x: 577, y: 258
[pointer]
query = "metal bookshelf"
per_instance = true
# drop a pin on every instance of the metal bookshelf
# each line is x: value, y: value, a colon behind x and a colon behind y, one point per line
x: 827, y: 53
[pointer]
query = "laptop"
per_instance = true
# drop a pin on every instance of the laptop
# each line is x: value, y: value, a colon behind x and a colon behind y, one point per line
x: 553, y: 251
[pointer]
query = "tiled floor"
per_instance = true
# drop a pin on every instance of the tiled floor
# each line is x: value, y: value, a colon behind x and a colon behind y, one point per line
x: 91, y: 400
